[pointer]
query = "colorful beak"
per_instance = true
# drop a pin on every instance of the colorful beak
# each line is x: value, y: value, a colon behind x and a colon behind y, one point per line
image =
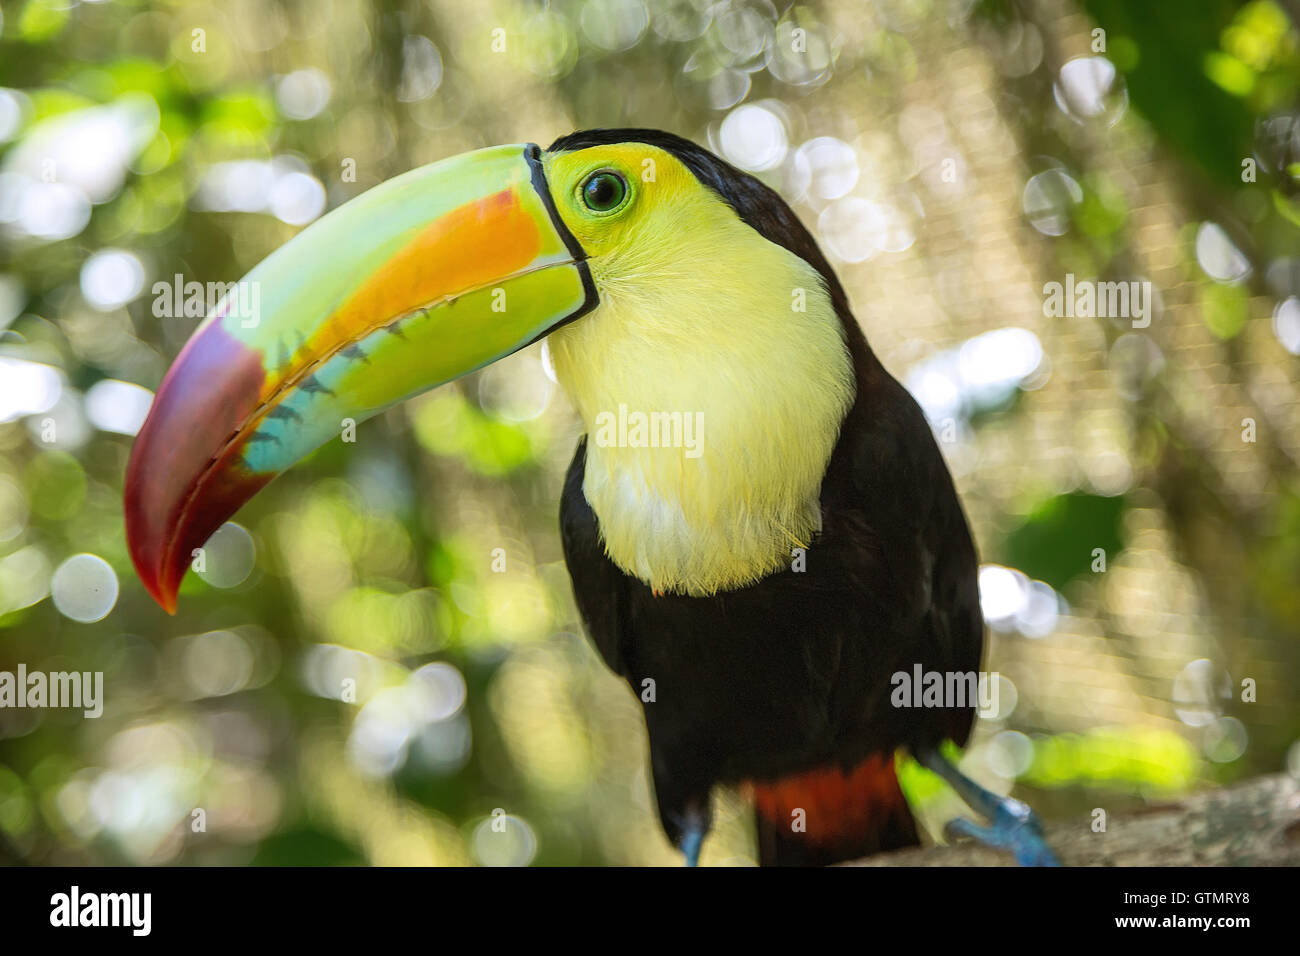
x: 412, y: 284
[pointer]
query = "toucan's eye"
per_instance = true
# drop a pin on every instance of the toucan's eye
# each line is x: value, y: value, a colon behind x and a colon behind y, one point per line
x: 604, y: 191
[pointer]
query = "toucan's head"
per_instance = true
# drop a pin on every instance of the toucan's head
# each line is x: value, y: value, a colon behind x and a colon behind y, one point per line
x: 437, y: 273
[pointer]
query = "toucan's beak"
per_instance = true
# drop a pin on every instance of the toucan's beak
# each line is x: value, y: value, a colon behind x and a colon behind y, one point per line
x: 414, y: 283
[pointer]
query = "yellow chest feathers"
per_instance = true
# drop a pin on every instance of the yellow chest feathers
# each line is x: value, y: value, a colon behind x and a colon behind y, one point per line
x: 712, y: 399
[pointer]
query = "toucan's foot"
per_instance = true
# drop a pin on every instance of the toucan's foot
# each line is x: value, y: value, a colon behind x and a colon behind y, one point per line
x: 1016, y: 828
x: 692, y: 841
x: 687, y: 820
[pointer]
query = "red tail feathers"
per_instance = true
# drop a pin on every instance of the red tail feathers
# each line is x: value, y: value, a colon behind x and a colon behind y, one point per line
x: 845, y: 815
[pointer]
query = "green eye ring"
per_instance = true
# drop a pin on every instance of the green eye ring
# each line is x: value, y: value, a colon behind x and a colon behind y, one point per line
x: 604, y: 191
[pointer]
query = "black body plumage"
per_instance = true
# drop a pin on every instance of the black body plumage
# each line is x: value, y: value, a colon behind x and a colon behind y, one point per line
x: 794, y: 672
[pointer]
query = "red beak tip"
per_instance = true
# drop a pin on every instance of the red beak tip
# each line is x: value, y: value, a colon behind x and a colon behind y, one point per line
x: 164, y: 596
x: 167, y: 595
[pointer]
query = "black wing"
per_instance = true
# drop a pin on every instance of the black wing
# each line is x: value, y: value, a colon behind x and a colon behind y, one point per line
x: 599, y: 588
x: 925, y: 576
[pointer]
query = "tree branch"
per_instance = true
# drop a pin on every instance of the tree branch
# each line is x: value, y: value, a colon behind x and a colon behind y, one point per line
x: 1254, y: 823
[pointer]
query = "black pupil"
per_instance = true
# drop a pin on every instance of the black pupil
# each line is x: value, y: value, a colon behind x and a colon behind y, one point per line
x: 604, y: 191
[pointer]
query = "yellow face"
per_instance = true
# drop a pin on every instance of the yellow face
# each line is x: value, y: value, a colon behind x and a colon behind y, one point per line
x: 653, y: 231
x: 699, y: 314
x: 606, y: 194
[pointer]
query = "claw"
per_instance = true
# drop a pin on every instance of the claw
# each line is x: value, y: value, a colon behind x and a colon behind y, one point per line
x: 1016, y: 828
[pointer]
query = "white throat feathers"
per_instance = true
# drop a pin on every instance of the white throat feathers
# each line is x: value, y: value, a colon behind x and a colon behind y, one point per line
x: 750, y: 377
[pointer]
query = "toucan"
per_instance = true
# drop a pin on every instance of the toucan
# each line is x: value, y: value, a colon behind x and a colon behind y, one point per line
x: 759, y: 586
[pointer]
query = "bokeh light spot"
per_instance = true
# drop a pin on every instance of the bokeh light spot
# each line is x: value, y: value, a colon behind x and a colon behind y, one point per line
x: 111, y: 278
x: 84, y: 588
x: 228, y: 556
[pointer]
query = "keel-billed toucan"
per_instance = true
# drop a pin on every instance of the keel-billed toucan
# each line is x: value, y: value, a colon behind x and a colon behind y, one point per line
x: 767, y: 578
